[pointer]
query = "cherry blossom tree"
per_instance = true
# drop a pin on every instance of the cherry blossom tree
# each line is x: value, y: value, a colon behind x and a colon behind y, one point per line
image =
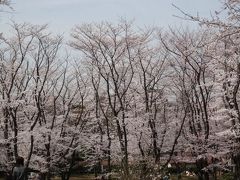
x: 38, y: 97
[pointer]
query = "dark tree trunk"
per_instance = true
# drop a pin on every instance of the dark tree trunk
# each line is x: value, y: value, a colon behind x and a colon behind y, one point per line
x: 236, y: 160
x: 69, y: 172
x: 201, y: 163
x: 48, y: 157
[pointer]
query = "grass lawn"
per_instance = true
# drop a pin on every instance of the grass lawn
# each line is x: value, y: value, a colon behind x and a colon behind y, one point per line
x: 184, y: 178
x: 78, y: 177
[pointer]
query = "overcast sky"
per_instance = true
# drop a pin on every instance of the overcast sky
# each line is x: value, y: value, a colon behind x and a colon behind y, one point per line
x: 62, y: 15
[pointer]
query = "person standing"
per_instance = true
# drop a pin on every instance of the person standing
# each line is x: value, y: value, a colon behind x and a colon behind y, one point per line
x: 19, y: 171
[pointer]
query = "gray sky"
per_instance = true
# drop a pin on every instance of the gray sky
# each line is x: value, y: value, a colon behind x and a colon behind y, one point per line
x: 62, y: 15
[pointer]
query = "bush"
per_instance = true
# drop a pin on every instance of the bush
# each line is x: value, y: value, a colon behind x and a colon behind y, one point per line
x: 227, y: 176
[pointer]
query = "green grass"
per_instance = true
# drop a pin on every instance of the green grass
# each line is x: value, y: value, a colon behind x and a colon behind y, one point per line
x: 184, y: 178
x: 79, y: 177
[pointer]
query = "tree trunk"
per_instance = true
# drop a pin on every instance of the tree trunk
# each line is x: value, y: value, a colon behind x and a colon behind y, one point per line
x: 69, y: 172
x: 48, y: 157
x: 236, y: 160
x: 201, y: 163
